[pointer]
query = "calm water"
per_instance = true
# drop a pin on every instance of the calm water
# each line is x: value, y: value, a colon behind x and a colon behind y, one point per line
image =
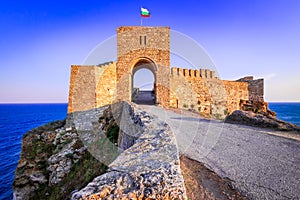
x: 289, y: 112
x: 17, y: 119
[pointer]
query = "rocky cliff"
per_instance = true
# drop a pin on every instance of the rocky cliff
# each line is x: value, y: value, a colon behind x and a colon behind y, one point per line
x: 112, y: 152
x: 53, y: 163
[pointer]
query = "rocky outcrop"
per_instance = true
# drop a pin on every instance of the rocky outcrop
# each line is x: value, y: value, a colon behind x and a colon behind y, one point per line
x: 258, y: 107
x: 53, y: 163
x: 260, y: 120
x: 111, y: 152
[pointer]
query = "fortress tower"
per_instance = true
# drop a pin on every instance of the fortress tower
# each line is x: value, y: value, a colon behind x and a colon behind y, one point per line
x: 149, y: 47
x: 144, y: 47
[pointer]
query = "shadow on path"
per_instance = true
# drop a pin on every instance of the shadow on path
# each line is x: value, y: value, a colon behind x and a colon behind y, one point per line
x: 191, y: 119
x: 144, y: 98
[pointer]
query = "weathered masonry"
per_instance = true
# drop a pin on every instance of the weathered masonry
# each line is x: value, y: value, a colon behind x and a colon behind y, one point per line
x: 144, y: 47
x: 149, y: 47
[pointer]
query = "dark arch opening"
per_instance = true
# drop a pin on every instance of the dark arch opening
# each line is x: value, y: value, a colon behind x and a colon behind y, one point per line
x: 143, y: 82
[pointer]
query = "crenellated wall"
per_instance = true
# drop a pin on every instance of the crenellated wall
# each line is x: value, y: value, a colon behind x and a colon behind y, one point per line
x: 189, y: 91
x: 198, y: 90
x: 149, y: 47
x: 203, y: 73
x: 202, y: 91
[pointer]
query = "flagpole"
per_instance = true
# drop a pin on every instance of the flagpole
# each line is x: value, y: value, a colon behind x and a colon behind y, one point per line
x: 144, y: 14
x: 141, y: 20
x: 140, y: 12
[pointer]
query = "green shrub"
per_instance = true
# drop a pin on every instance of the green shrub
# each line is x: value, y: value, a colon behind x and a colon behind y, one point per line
x: 113, y: 133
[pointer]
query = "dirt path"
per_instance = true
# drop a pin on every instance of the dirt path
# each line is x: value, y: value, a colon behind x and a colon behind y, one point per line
x: 203, y: 184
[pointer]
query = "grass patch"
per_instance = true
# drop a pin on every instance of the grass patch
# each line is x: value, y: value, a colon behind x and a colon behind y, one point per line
x: 81, y: 173
x: 52, y: 126
x: 113, y: 133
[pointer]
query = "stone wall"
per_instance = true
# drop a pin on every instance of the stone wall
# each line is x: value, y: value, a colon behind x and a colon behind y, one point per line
x: 149, y: 47
x: 82, y: 88
x: 106, y: 86
x: 255, y: 88
x: 198, y: 90
x: 188, y: 93
x: 148, y: 169
x: 91, y: 86
x: 202, y: 91
x: 235, y: 92
x: 140, y: 42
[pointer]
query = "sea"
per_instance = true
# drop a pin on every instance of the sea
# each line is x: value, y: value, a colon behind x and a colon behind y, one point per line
x: 17, y: 119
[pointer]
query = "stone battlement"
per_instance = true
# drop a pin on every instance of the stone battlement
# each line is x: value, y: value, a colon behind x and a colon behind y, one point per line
x: 201, y: 73
x: 143, y: 47
x: 105, y: 64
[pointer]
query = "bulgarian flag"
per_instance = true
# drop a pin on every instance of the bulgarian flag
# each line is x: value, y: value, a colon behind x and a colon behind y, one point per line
x: 145, y: 13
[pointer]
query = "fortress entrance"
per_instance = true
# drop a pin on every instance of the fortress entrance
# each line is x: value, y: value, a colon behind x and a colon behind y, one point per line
x: 144, y: 82
x: 141, y: 47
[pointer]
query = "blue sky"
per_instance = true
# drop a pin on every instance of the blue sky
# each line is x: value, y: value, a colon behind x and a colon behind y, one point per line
x: 41, y: 39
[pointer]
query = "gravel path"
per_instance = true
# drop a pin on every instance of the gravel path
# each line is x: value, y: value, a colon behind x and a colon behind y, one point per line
x: 260, y: 165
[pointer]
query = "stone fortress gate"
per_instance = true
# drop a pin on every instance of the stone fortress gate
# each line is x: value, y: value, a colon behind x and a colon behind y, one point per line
x: 144, y: 47
x: 138, y: 47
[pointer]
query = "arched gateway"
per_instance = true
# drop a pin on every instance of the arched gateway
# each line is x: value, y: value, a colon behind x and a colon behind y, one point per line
x: 144, y: 97
x: 144, y: 47
x: 149, y: 47
x: 138, y: 47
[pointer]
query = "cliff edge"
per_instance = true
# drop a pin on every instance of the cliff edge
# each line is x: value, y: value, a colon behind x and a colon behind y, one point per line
x: 112, y: 152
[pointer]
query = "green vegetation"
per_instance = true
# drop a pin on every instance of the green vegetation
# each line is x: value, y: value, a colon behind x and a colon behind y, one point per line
x: 67, y: 141
x: 226, y: 112
x: 113, y: 133
x: 81, y: 173
x: 218, y: 116
x: 69, y: 155
x: 39, y: 147
x: 52, y: 126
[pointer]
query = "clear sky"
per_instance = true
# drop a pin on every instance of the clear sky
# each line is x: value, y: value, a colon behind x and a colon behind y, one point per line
x: 41, y: 39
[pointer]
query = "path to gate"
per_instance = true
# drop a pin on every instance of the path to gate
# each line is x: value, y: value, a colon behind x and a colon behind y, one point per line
x: 261, y: 165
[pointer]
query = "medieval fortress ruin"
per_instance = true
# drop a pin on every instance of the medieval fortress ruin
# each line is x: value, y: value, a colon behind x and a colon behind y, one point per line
x: 149, y: 47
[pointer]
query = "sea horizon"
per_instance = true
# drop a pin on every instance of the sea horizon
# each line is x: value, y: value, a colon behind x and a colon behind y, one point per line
x: 30, y: 103
x: 67, y: 102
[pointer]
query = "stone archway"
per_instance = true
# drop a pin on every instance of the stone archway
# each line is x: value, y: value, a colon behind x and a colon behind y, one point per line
x: 138, y: 45
x: 143, y: 97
